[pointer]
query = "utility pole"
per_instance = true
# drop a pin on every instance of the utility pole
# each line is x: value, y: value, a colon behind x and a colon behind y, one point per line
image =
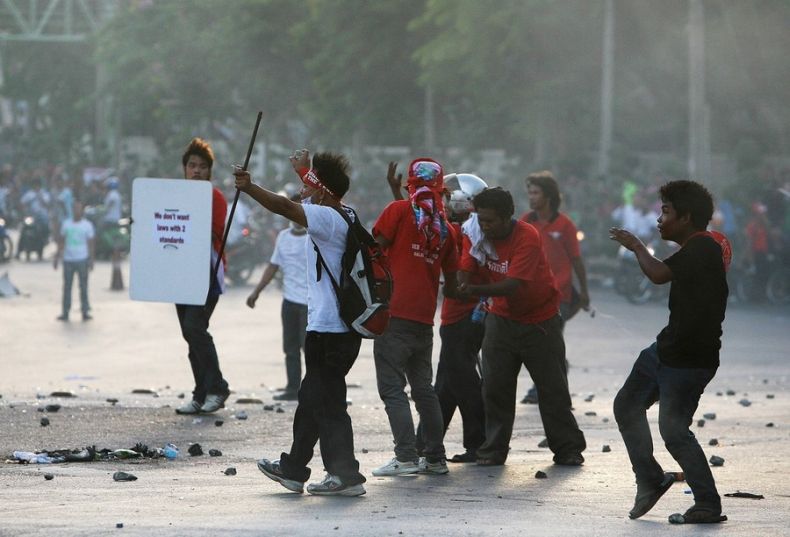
x: 607, y: 85
x: 699, y: 120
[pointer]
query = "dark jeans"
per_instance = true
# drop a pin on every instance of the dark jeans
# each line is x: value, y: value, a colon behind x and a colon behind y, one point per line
x: 202, y: 353
x: 507, y: 345
x: 294, y: 321
x: 81, y: 269
x: 322, y: 412
x: 458, y: 383
x: 403, y: 353
x: 679, y: 391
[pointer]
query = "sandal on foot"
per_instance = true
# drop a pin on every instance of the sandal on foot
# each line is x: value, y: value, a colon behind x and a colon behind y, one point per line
x: 645, y: 500
x: 697, y: 516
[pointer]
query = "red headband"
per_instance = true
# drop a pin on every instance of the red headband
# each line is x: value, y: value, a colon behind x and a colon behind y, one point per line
x: 310, y: 179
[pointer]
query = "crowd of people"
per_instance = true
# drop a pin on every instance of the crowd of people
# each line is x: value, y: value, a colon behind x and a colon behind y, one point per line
x: 509, y: 285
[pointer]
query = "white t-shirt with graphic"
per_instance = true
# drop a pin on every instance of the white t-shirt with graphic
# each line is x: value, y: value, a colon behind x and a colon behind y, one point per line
x: 290, y: 254
x: 76, y: 236
x: 328, y: 230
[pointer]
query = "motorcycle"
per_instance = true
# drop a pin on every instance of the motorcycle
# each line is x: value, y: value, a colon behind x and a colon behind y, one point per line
x: 6, y: 244
x: 33, y: 237
x: 246, y: 254
x: 631, y: 282
x: 110, y: 237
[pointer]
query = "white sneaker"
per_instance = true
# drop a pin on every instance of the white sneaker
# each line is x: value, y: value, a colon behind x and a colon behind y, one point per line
x: 439, y: 467
x: 396, y: 467
x: 334, y: 486
x: 213, y: 403
x: 192, y: 407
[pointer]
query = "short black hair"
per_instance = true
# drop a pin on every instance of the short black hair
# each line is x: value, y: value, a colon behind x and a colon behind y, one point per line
x: 548, y: 184
x: 496, y: 198
x: 332, y: 170
x: 201, y: 148
x: 689, y: 197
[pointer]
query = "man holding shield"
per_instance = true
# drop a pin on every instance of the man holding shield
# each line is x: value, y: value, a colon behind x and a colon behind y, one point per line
x: 211, y: 389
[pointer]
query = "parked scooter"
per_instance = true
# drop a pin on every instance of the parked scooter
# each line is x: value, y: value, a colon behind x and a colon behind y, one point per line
x: 6, y: 244
x: 33, y: 237
x: 246, y: 254
x: 631, y: 282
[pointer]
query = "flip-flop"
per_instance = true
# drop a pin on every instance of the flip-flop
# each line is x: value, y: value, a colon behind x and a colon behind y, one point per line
x: 697, y: 516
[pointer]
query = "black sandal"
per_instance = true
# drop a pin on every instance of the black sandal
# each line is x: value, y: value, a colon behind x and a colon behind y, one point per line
x: 697, y: 516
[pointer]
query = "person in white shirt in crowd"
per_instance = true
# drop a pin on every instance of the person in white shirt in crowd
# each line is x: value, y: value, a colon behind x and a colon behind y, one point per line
x: 289, y: 256
x: 75, y: 248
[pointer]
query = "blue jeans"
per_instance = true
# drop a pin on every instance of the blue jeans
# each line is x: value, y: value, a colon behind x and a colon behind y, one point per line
x: 81, y: 269
x: 403, y: 353
x: 294, y: 320
x: 679, y: 391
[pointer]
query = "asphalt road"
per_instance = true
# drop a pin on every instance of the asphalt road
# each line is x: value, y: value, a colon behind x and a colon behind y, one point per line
x: 134, y: 345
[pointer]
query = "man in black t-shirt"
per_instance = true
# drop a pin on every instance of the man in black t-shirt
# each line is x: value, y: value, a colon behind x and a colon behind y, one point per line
x: 683, y: 360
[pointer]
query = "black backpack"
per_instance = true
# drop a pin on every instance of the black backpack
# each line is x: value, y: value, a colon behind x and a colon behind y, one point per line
x: 364, y: 288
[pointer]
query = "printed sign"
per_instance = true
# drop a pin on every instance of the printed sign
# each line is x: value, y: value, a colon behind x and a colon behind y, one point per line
x: 171, y: 240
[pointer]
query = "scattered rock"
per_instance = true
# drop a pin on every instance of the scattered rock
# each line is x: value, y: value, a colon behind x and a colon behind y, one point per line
x: 119, y: 525
x: 214, y: 453
x: 219, y: 423
x: 123, y: 476
x: 730, y: 392
x: 112, y: 400
x: 230, y: 471
x: 606, y: 448
x: 279, y: 410
x: 716, y: 461
x: 719, y: 394
x: 713, y: 442
x: 241, y: 415
x: 605, y: 420
x: 745, y: 402
x: 709, y: 416
x: 248, y: 401
x: 364, y: 450
x: 62, y: 394
x: 44, y: 421
x: 589, y: 398
x: 195, y: 450
x: 268, y: 407
x: 49, y: 477
x: 147, y: 391
x: 540, y: 475
x: 180, y: 395
x: 700, y: 423
x: 52, y: 408
x: 749, y: 495
x: 769, y: 396
x: 769, y: 424
x: 543, y: 443
x: 590, y: 413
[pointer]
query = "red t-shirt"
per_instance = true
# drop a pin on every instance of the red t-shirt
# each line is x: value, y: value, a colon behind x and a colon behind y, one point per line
x: 415, y: 278
x: 520, y: 256
x: 561, y: 246
x: 454, y: 310
x: 219, y: 209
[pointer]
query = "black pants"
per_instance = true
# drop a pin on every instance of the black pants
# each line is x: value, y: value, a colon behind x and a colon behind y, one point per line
x: 458, y: 384
x: 294, y: 320
x: 322, y: 414
x: 202, y: 353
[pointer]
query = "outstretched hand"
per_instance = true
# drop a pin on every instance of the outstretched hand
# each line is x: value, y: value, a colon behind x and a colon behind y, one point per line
x: 625, y: 237
x: 395, y: 180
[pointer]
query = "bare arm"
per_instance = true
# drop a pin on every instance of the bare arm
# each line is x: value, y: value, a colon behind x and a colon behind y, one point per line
x: 505, y: 287
x: 656, y: 270
x: 269, y: 200
x: 395, y: 181
x: 268, y: 274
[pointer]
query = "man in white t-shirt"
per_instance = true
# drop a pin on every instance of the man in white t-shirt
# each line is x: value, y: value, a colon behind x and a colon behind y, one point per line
x: 331, y: 348
x: 290, y: 256
x: 75, y: 248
